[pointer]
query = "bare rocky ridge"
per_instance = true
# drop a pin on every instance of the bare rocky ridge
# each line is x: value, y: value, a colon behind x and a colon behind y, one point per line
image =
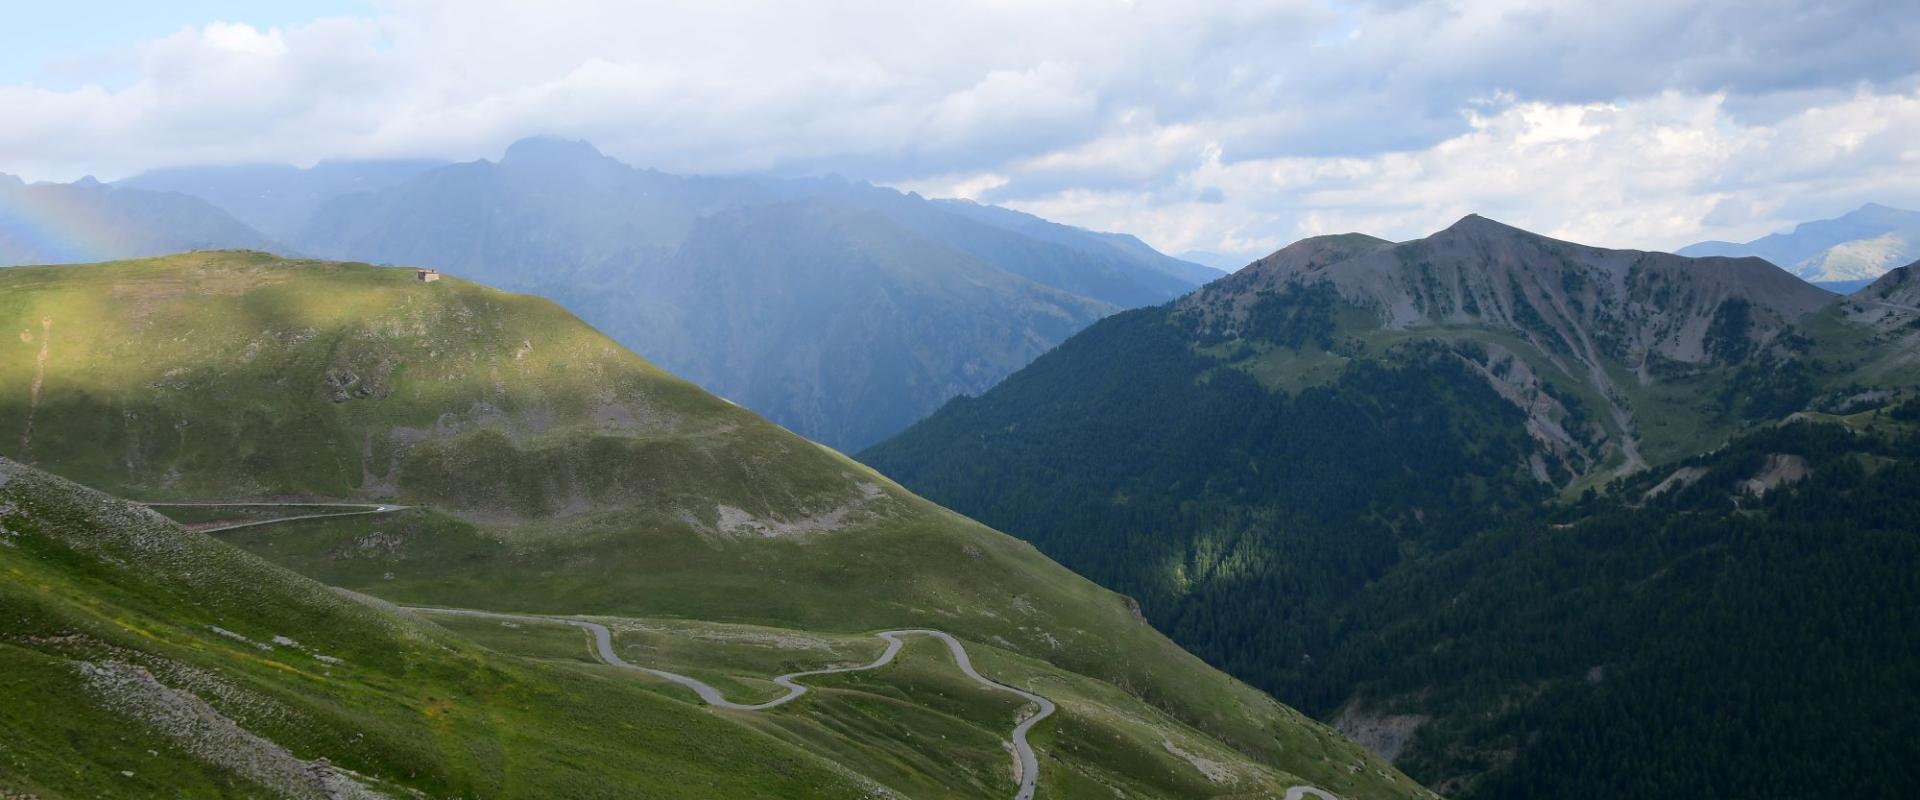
x: 1586, y: 302
x: 1603, y: 317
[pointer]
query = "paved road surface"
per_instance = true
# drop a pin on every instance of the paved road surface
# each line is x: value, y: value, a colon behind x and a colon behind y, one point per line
x: 366, y: 508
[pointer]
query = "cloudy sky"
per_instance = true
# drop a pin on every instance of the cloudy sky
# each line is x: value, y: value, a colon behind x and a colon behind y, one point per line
x: 1232, y: 127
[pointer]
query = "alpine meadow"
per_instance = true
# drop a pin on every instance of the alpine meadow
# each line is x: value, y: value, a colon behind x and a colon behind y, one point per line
x: 1064, y: 400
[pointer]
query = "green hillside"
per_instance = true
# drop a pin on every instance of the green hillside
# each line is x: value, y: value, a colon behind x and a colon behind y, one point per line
x: 141, y: 660
x: 1267, y: 460
x: 553, y: 472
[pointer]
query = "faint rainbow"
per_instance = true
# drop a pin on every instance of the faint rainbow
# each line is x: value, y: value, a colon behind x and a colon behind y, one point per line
x: 46, y: 219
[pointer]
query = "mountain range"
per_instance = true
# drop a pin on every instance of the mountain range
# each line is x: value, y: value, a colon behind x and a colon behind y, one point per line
x: 843, y: 311
x: 515, y: 461
x: 1524, y: 517
x: 51, y: 223
x: 1517, y: 512
x: 906, y: 301
x: 1844, y: 254
x: 278, y: 199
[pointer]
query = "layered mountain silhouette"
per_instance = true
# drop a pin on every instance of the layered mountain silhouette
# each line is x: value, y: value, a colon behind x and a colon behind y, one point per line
x: 1411, y: 488
x: 278, y: 199
x: 53, y: 223
x: 841, y: 310
x: 1843, y: 254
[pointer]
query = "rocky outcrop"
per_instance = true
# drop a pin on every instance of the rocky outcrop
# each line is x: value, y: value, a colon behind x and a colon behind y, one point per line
x: 1580, y: 301
x: 1535, y: 304
x: 1890, y: 302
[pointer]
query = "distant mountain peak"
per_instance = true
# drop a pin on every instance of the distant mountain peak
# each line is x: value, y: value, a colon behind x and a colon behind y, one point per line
x: 1869, y: 214
x: 1854, y: 247
x: 552, y: 151
x: 1477, y: 225
x: 1226, y: 302
x: 1879, y: 209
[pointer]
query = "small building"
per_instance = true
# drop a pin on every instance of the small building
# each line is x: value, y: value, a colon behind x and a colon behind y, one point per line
x: 426, y: 275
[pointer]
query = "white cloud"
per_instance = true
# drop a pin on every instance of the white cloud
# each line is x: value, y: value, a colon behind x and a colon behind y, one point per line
x: 961, y: 186
x: 1230, y: 126
x: 1658, y: 172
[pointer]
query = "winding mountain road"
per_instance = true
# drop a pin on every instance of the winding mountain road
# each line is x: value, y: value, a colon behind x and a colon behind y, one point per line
x: 1029, y: 764
x: 366, y: 508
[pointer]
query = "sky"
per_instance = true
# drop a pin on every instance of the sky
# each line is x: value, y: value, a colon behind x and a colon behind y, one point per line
x: 1229, y: 127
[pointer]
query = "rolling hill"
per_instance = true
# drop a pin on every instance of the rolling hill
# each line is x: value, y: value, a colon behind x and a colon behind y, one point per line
x: 551, y: 472
x: 1299, y: 468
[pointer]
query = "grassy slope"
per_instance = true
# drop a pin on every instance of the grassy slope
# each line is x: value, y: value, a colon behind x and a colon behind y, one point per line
x: 93, y: 581
x: 565, y: 474
x: 920, y: 727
